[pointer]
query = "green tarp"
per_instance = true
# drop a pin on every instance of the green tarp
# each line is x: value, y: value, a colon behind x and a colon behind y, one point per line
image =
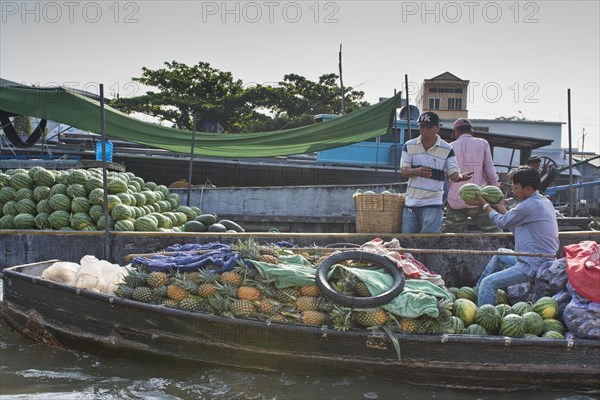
x: 68, y: 107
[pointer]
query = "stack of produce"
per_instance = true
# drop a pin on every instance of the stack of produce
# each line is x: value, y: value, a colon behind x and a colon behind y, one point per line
x: 39, y: 198
x: 245, y: 293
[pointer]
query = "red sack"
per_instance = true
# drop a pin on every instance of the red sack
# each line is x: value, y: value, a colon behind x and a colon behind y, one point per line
x: 583, y: 269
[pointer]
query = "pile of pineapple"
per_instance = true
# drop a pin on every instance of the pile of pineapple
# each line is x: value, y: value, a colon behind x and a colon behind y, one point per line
x: 245, y: 293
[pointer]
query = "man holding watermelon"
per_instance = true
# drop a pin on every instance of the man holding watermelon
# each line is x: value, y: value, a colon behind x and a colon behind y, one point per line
x: 426, y: 161
x: 473, y: 154
x: 533, y: 224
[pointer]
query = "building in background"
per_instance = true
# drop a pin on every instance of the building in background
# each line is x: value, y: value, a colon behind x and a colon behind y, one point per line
x: 446, y: 95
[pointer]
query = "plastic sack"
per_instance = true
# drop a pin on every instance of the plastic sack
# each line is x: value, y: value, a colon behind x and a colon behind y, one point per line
x: 551, y: 278
x: 563, y: 298
x: 582, y: 317
x: 89, y: 275
x: 521, y: 292
x: 62, y: 272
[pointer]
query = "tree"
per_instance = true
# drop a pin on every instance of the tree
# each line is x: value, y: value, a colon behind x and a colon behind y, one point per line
x: 215, y: 95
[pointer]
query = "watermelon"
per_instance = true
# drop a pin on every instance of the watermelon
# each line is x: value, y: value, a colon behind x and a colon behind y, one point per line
x: 140, y: 199
x: 41, y: 193
x: 488, y: 317
x: 553, y: 335
x: 113, y: 201
x: 124, y: 225
x: 58, y: 188
x: 207, y: 219
x: 551, y: 324
x: 7, y: 194
x: 475, y: 329
x: 454, y: 325
x: 96, y: 211
x: 42, y: 221
x: 491, y: 194
x: 217, y: 228
x: 76, y: 190
x: 521, y: 308
x: 469, y: 191
x: 80, y: 204
x: 115, y: 186
x: 189, y: 213
x: 60, y: 201
x: 467, y: 292
x: 501, y: 297
x: 24, y: 221
x: 21, y: 180
x: 145, y: 224
x: 534, y: 323
x: 464, y: 309
x: 43, y: 177
x: 10, y: 208
x: 24, y: 193
x: 26, y: 206
x: 7, y: 222
x: 512, y: 325
x: 150, y: 185
x: 93, y: 183
x: 4, y: 180
x: 546, y: 306
x: 60, y: 219
x: 96, y: 196
x: 125, y: 198
x: 77, y: 176
x: 121, y: 211
x: 80, y: 221
x: 194, y: 226
x: 100, y: 223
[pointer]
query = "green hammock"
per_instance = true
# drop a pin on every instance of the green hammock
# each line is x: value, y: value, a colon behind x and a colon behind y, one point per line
x: 68, y: 107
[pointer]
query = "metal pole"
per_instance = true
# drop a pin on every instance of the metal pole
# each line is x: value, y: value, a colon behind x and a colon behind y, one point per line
x: 571, y: 208
x: 104, y: 178
x: 396, y: 139
x: 407, y: 107
x: 342, y: 82
x: 189, y: 191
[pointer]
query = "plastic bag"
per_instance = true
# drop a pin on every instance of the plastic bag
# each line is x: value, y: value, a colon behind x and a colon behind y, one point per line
x: 89, y: 275
x: 62, y: 272
x: 582, y: 317
x: 551, y: 278
x: 521, y: 292
x: 563, y: 298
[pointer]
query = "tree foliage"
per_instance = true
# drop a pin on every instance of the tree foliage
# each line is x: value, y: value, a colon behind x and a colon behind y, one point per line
x: 216, y: 96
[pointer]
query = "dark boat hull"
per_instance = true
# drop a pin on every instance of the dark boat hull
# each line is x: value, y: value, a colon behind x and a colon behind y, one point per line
x: 73, y: 318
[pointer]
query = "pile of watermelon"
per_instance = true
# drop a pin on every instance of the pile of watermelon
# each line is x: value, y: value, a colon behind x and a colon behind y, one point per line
x: 39, y: 198
x: 519, y: 320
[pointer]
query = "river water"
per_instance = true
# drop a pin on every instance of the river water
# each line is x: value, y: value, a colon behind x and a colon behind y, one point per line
x: 34, y: 371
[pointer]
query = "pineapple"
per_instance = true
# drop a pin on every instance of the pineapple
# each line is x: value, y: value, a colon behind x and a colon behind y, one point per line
x: 373, y: 317
x: 135, y: 278
x: 311, y: 290
x: 169, y: 303
x: 414, y: 325
x: 242, y: 308
x: 248, y: 293
x: 269, y: 259
x: 361, y: 289
x: 206, y: 289
x: 267, y: 306
x: 156, y: 279
x: 143, y: 294
x: 340, y: 319
x: 308, y: 303
x: 247, y: 250
x: 287, y: 295
x: 310, y: 317
x: 123, y: 290
x: 268, y: 254
x: 191, y: 303
x: 176, y: 291
x: 231, y: 278
x: 196, y: 277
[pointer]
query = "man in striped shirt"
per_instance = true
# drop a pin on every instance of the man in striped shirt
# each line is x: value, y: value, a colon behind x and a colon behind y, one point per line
x: 426, y: 160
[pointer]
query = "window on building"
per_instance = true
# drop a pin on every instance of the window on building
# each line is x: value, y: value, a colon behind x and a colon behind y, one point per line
x: 454, y: 104
x: 434, y: 103
x: 445, y: 90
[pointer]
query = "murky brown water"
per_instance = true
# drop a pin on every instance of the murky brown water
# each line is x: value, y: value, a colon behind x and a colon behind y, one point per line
x: 33, y: 371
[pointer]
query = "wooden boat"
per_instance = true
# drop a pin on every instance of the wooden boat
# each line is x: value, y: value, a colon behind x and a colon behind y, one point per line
x: 71, y: 318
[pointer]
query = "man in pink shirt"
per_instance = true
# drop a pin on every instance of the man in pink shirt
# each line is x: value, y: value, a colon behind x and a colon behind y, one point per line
x: 473, y: 155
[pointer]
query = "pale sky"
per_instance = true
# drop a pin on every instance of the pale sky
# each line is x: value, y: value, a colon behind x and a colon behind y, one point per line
x: 520, y: 56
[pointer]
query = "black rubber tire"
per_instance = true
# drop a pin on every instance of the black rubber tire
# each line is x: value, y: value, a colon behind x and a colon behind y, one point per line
x: 359, y: 302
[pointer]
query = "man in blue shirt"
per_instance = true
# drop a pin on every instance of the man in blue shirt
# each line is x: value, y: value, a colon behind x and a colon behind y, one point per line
x: 533, y: 224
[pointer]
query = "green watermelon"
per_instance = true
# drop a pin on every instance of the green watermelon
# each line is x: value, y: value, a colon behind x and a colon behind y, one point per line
x: 113, y: 201
x: 42, y: 221
x: 501, y: 297
x: 475, y: 329
x: 26, y: 206
x: 80, y: 204
x: 488, y: 317
x: 80, y: 221
x: 115, y: 186
x: 7, y: 222
x: 145, y: 224
x: 58, y: 188
x: 60, y: 201
x: 547, y: 307
x: 10, y: 208
x: 552, y: 324
x: 60, y: 219
x: 522, y: 307
x: 93, y: 183
x: 41, y: 193
x: 43, y: 177
x: 553, y: 335
x: 7, y: 194
x: 121, y: 211
x: 24, y: 193
x: 96, y: 196
x: 534, y: 323
x: 194, y: 226
x: 467, y: 292
x: 512, y: 325
x: 76, y: 190
x: 491, y: 194
x: 24, y: 221
x: 454, y: 325
x: 469, y: 191
x: 21, y: 180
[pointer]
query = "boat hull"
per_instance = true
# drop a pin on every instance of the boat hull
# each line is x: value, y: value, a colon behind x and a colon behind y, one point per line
x: 72, y: 318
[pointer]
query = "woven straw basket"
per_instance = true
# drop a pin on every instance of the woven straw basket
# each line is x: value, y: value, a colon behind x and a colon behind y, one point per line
x: 379, y: 213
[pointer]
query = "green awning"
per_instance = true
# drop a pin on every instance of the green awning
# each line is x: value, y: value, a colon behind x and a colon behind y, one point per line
x: 71, y: 108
